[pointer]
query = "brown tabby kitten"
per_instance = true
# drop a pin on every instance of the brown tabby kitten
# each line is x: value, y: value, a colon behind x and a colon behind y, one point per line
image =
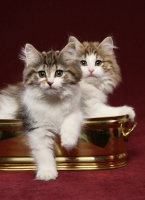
x: 101, y: 74
x: 48, y: 102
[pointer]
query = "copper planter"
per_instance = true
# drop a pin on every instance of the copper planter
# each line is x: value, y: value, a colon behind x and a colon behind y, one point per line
x: 102, y: 145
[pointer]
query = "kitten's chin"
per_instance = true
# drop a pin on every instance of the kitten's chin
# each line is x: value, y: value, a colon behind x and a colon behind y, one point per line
x: 90, y: 79
x: 51, y: 91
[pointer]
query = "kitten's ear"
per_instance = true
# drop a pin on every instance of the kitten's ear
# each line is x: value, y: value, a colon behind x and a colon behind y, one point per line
x: 30, y: 55
x: 68, y: 53
x: 107, y: 45
x: 78, y: 45
x: 71, y: 51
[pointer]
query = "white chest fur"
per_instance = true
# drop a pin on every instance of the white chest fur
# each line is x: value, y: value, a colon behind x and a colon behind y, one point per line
x: 49, y: 110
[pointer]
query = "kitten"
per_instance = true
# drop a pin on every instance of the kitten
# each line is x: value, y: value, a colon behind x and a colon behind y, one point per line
x: 101, y: 74
x: 49, y: 105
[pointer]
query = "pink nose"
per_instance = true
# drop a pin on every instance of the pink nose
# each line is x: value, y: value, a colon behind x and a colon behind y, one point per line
x: 91, y: 71
x: 50, y: 83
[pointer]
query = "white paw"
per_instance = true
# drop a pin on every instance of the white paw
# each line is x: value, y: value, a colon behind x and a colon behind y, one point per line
x: 126, y: 110
x: 46, y: 175
x: 68, y: 142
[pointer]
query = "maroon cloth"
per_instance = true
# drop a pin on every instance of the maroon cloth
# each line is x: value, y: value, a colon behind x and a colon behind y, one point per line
x: 46, y: 25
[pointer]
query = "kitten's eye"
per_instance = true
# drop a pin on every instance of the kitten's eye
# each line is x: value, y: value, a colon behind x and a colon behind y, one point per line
x: 83, y: 62
x: 58, y: 73
x: 98, y: 62
x: 42, y: 74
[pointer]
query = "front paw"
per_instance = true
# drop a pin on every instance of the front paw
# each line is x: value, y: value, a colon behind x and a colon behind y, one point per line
x: 46, y: 174
x: 68, y: 142
x: 126, y: 110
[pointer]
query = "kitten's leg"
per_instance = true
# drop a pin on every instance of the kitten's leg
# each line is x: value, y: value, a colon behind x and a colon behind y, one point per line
x: 70, y: 129
x: 42, y: 151
x: 103, y: 110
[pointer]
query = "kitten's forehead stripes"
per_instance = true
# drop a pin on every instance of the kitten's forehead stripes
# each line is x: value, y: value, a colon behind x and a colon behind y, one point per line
x: 50, y: 61
x: 50, y: 58
x: 90, y: 48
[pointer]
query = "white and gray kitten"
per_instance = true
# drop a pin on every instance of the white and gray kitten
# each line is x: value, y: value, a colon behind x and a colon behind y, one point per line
x: 101, y: 74
x: 48, y: 103
x: 50, y: 106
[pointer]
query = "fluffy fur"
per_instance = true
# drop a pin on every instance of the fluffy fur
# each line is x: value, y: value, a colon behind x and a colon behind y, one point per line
x: 50, y: 105
x: 101, y: 74
x: 49, y: 99
x: 9, y: 101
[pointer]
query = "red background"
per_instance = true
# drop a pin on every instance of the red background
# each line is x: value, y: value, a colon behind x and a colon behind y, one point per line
x: 48, y: 24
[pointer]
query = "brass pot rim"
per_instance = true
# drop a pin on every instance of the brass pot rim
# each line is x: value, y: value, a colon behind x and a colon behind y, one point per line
x: 86, y: 119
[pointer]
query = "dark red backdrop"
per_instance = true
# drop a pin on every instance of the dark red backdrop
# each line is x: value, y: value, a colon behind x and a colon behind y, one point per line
x: 47, y: 25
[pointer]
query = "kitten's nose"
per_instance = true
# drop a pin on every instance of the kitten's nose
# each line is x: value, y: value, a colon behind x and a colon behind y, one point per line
x: 50, y: 83
x: 91, y: 71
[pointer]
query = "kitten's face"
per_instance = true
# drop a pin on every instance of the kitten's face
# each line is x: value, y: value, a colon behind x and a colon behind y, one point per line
x: 46, y: 71
x: 49, y: 78
x: 98, y: 63
x: 92, y: 67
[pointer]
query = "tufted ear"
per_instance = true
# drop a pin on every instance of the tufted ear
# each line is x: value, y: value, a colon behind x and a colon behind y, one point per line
x: 107, y: 45
x: 72, y: 50
x: 68, y: 53
x: 30, y: 55
x: 78, y: 45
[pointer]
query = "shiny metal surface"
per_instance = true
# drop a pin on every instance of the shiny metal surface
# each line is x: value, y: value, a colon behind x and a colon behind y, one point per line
x: 67, y: 163
x: 102, y: 145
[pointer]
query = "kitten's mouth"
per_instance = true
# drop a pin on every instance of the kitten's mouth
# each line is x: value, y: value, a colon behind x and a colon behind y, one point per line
x: 50, y: 89
x: 91, y: 76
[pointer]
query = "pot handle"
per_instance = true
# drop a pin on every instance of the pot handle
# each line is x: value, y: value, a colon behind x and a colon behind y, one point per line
x: 129, y: 130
